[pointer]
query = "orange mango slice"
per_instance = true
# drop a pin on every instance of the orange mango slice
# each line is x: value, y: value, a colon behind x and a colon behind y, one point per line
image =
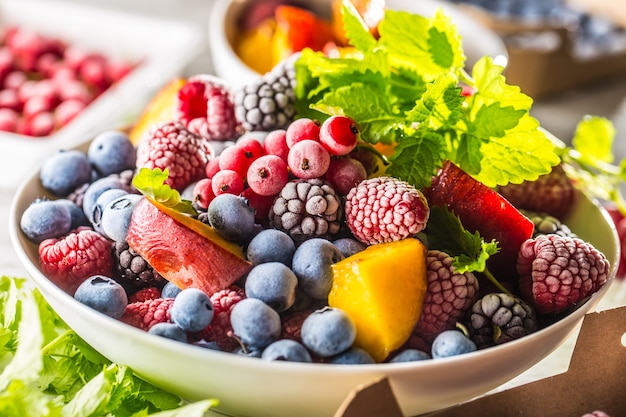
x: 382, y: 290
x: 253, y: 45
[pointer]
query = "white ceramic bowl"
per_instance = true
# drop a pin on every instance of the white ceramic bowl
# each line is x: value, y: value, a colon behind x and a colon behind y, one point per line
x: 255, y: 388
x: 160, y: 47
x: 478, y: 40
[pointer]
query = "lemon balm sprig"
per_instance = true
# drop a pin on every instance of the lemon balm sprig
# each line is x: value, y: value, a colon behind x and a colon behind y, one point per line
x: 404, y: 89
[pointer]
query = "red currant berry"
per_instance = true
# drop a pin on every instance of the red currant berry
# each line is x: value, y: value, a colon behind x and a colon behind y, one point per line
x: 203, y: 193
x: 260, y: 203
x: 67, y: 110
x: 8, y: 120
x: 268, y: 175
x: 275, y: 143
x: 339, y: 135
x: 302, y: 129
x: 308, y: 159
x: 212, y: 167
x: 227, y: 181
x: 239, y: 156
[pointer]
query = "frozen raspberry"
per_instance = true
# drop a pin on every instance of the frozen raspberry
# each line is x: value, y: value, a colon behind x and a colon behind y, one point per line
x: 498, y: 318
x: 220, y: 329
x: 596, y: 413
x: 449, y: 296
x: 552, y: 193
x: 171, y: 146
x: 385, y: 209
x: 144, y: 294
x: 558, y: 272
x: 205, y: 106
x: 292, y: 324
x: 145, y: 314
x: 70, y: 260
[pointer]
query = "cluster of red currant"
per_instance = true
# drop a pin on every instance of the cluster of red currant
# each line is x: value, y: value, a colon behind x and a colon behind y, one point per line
x: 306, y: 149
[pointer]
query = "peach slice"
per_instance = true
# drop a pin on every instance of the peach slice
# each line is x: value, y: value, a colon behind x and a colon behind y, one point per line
x: 382, y: 290
x: 159, y: 109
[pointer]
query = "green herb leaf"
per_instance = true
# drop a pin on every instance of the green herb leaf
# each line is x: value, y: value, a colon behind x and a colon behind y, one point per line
x: 404, y: 89
x: 446, y: 233
x: 151, y: 183
x: 46, y: 370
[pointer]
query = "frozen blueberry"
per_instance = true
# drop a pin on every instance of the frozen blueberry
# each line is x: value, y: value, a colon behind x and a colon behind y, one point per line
x: 232, y: 217
x: 274, y: 284
x: 101, y: 202
x: 328, y: 332
x: 271, y: 245
x: 117, y: 214
x: 64, y: 171
x: 255, y: 323
x: 312, y: 262
x: 169, y: 331
x: 451, y: 343
x: 95, y: 189
x: 192, y: 310
x: 76, y: 212
x: 410, y: 355
x: 170, y: 290
x: 44, y: 219
x: 103, y: 294
x: 352, y: 356
x: 286, y: 350
x: 348, y: 246
x: 111, y: 152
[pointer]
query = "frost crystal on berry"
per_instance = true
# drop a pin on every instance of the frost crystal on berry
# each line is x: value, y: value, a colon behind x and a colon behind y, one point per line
x: 385, y: 209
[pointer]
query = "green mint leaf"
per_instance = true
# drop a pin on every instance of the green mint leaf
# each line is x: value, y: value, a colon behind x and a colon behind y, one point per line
x: 446, y: 233
x: 151, y: 183
x: 492, y: 120
x: 426, y: 46
x: 594, y: 138
x: 369, y: 105
x: 356, y: 30
x: 440, y: 105
x: 417, y: 158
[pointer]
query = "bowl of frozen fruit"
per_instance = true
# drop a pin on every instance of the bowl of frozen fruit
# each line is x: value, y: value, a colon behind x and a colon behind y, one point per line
x: 249, y: 37
x: 279, y: 245
x: 64, y: 73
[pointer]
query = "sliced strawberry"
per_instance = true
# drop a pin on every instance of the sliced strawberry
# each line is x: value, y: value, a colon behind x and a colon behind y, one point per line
x: 484, y: 210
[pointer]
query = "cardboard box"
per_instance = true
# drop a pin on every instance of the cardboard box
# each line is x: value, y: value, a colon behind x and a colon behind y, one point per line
x: 551, y: 64
x: 594, y: 381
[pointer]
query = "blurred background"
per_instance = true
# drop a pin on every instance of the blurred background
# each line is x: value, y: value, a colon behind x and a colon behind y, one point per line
x: 564, y: 90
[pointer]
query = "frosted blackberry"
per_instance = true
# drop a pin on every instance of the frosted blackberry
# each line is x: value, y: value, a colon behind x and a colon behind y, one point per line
x: 498, y: 318
x: 546, y: 224
x: 269, y: 102
x: 131, y: 270
x: 306, y: 209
